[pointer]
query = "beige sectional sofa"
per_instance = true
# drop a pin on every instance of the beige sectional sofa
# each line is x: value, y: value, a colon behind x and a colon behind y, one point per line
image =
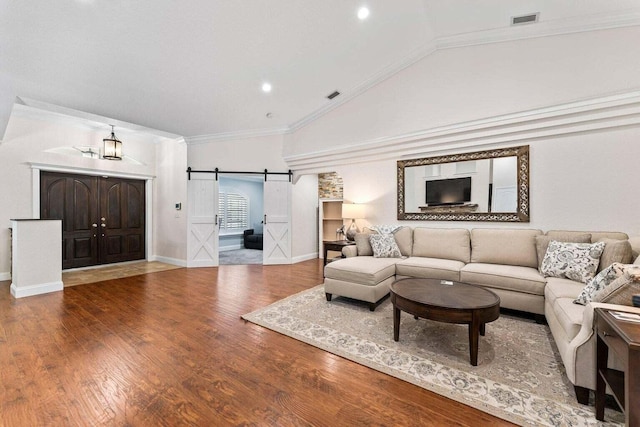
x: 505, y: 261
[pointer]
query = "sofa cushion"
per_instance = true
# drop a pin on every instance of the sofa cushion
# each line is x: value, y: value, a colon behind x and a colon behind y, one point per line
x: 615, y: 251
x: 504, y: 246
x: 575, y: 261
x: 432, y: 268
x: 557, y: 287
x: 569, y: 315
x: 363, y: 245
x: 444, y: 243
x: 364, y: 270
x: 509, y: 277
x: 542, y: 243
x: 599, y: 282
x: 404, y: 240
x: 595, y: 235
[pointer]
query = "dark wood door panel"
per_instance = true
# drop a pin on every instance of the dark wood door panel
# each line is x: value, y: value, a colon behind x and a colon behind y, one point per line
x: 123, y: 206
x: 74, y: 200
x: 81, y: 202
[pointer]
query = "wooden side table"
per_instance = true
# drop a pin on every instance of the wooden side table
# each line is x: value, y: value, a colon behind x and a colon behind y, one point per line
x: 334, y: 245
x: 623, y: 339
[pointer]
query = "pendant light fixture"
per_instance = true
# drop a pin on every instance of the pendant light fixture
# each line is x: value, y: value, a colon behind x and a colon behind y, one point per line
x: 112, y: 147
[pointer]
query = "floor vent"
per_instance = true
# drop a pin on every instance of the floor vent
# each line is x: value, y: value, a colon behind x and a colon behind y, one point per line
x: 333, y: 95
x: 525, y: 19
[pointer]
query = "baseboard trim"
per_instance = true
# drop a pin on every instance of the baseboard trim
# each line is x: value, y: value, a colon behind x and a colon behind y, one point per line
x: 167, y: 260
x: 5, y: 275
x: 41, y: 288
x: 231, y: 247
x: 306, y: 257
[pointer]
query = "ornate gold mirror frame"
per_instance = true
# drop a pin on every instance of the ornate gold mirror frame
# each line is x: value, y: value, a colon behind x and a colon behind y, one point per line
x: 520, y: 212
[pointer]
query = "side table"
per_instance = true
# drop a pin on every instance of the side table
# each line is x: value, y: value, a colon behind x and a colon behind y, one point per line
x: 334, y: 245
x: 623, y: 339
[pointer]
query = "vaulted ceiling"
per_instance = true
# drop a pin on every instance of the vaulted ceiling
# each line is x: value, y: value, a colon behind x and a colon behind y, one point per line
x: 196, y: 68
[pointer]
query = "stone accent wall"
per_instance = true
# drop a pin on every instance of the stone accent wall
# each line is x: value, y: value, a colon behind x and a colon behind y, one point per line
x: 329, y: 186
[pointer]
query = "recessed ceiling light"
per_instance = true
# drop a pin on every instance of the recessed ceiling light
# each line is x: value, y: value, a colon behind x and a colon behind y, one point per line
x: 363, y: 13
x: 266, y: 87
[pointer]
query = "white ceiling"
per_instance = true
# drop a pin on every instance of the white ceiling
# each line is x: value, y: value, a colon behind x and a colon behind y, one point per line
x: 196, y: 68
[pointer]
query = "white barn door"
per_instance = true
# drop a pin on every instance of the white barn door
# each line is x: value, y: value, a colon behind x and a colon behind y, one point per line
x: 202, y: 240
x: 277, y: 222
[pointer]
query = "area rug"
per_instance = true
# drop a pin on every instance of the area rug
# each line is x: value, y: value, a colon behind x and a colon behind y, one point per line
x: 519, y: 377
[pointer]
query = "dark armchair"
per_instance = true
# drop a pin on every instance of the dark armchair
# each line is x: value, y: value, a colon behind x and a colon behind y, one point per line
x: 251, y: 240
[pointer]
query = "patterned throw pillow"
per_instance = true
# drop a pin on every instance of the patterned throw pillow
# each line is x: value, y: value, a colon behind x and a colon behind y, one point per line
x: 599, y: 282
x: 621, y: 290
x: 384, y: 246
x: 574, y: 261
x: 384, y: 229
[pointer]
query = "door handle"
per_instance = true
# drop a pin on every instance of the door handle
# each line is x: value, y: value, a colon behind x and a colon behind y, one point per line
x: 265, y: 219
x: 94, y: 225
x: 216, y: 220
x: 103, y: 225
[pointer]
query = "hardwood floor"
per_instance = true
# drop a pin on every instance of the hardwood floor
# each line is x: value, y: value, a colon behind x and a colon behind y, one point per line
x: 169, y: 348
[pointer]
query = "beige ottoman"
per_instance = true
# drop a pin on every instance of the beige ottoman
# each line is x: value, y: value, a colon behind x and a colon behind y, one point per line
x: 364, y: 278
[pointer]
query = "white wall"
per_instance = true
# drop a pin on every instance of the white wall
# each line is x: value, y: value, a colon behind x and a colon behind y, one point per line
x: 582, y: 180
x: 170, y: 187
x: 304, y: 221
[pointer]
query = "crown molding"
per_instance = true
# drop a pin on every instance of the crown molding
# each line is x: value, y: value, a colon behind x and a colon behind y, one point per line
x: 28, y: 107
x: 243, y: 134
x: 606, y: 112
x: 542, y: 29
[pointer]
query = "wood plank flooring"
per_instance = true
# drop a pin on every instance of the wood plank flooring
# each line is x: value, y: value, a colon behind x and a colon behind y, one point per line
x: 169, y: 348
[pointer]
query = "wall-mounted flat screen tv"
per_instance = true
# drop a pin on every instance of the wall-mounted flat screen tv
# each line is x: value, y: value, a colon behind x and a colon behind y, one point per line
x: 455, y: 191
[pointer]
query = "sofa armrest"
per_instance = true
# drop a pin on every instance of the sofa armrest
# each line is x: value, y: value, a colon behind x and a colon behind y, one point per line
x: 586, y: 331
x: 350, y: 251
x: 247, y: 232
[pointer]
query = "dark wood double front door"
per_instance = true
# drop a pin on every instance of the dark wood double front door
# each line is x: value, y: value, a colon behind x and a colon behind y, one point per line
x: 103, y: 218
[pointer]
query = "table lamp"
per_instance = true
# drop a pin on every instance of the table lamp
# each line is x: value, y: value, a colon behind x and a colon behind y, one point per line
x: 352, y: 211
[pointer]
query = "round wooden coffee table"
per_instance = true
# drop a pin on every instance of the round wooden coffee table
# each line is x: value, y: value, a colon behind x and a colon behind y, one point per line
x: 446, y: 301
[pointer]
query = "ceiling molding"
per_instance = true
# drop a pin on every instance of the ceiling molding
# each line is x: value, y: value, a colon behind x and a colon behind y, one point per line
x: 606, y: 112
x: 541, y: 29
x: 27, y: 107
x: 243, y: 134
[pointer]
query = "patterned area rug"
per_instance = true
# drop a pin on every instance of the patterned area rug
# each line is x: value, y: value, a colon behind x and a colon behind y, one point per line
x: 519, y: 377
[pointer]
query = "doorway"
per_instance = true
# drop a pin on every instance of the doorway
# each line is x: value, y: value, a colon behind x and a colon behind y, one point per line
x: 240, y: 219
x: 103, y: 218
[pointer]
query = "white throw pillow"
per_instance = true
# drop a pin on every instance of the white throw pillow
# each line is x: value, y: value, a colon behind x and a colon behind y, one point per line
x: 574, y: 261
x: 599, y: 282
x: 384, y: 246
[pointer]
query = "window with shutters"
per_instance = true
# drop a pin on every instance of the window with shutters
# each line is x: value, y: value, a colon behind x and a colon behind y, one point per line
x: 233, y: 212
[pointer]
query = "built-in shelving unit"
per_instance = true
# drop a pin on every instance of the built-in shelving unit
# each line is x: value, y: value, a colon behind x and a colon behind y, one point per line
x: 330, y: 219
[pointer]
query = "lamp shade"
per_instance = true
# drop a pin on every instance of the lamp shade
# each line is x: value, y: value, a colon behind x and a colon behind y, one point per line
x: 352, y: 211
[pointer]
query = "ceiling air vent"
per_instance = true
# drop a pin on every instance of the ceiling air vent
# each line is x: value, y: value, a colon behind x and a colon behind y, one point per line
x: 525, y: 19
x: 333, y: 95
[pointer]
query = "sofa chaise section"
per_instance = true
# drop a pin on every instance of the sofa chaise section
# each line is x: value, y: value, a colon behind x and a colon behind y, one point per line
x: 364, y: 278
